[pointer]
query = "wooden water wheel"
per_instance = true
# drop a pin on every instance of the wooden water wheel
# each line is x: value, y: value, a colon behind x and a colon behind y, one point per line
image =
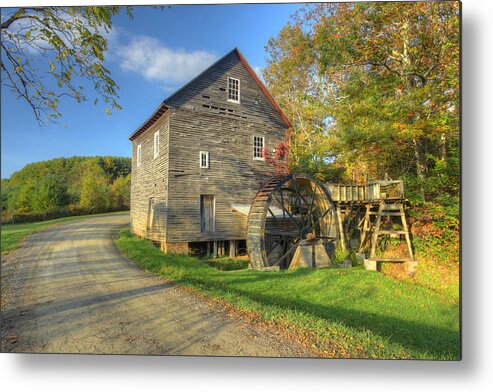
x: 284, y: 212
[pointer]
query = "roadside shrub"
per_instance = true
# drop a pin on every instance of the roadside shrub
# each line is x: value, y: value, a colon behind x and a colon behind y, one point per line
x: 53, y: 213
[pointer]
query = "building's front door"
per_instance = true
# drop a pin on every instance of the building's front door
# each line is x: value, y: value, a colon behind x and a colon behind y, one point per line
x: 206, y: 213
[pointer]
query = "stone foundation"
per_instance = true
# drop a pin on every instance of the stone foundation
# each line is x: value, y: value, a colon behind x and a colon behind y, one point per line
x: 175, y: 247
x: 370, y: 265
x: 310, y: 254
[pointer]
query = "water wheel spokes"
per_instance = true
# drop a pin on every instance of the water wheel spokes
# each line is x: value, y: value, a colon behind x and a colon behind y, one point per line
x: 285, y: 211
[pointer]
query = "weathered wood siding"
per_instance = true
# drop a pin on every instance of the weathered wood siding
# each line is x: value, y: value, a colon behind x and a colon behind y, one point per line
x: 150, y: 179
x: 233, y: 176
x: 201, y: 118
x: 208, y: 93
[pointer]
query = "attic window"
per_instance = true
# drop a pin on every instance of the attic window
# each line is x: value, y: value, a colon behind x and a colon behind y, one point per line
x: 204, y: 159
x: 234, y: 90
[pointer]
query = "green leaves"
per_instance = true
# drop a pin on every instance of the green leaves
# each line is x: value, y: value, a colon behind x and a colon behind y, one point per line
x: 58, y: 183
x: 381, y: 73
x: 69, y: 46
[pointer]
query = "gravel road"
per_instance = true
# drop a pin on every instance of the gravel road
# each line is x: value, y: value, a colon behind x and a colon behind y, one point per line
x: 68, y: 290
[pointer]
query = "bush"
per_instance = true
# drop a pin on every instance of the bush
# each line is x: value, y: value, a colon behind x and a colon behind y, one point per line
x: 435, y: 230
x: 53, y: 213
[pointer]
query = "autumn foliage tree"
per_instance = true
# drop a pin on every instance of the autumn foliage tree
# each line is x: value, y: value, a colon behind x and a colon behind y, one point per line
x: 373, y: 88
x: 278, y: 158
x: 67, y: 186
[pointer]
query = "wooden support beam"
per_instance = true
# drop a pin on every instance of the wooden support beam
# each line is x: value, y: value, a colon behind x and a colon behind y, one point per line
x: 232, y: 249
x: 408, y: 238
x: 341, y: 228
x: 376, y: 231
x: 214, y: 252
x: 366, y: 228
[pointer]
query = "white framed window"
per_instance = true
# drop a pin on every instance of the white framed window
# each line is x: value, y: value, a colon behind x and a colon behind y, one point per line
x: 139, y: 155
x: 204, y: 159
x: 156, y: 144
x: 258, y: 147
x: 234, y: 90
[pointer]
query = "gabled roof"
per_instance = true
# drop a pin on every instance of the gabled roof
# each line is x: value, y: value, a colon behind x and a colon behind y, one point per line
x: 151, y: 120
x: 165, y: 105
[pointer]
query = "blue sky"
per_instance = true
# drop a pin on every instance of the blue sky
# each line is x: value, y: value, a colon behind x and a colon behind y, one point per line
x: 149, y: 56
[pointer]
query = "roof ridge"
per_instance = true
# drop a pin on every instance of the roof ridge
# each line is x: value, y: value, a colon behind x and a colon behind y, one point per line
x: 200, y: 74
x: 165, y: 103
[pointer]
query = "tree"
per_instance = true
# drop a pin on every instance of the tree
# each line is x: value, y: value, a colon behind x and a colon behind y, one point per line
x: 68, y: 44
x: 95, y: 193
x: 300, y: 89
x: 120, y: 192
x: 50, y: 192
x: 389, y: 75
x: 6, y: 192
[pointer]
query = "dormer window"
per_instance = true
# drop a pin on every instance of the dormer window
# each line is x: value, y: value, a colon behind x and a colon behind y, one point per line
x: 234, y: 90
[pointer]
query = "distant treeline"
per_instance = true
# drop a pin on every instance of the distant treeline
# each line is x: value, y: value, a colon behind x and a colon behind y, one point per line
x: 66, y: 186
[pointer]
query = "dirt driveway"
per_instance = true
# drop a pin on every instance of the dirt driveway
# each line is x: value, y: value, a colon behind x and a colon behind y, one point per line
x: 70, y: 291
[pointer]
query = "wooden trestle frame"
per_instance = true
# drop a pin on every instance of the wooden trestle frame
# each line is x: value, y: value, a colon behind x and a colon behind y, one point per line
x: 367, y: 218
x: 365, y: 208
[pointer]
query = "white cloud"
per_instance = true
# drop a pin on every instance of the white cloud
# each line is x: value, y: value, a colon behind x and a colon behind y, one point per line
x: 149, y: 58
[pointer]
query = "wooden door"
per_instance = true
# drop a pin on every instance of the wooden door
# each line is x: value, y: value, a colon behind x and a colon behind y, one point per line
x: 206, y: 213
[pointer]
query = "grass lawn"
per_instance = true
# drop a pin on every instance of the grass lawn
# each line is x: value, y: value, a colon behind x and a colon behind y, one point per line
x: 350, y: 313
x: 12, y: 234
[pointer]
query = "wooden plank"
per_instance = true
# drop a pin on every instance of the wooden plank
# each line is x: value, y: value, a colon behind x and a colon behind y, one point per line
x: 390, y: 259
x: 340, y: 226
x: 395, y: 232
x: 408, y: 239
x: 376, y: 231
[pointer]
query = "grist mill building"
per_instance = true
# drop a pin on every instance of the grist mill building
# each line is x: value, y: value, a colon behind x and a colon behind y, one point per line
x: 197, y: 160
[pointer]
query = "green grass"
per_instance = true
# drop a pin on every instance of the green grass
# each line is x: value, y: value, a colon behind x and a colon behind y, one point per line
x: 12, y: 234
x: 226, y: 264
x: 344, y: 313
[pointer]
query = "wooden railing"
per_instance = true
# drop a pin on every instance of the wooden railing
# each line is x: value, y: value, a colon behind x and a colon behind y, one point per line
x: 373, y: 191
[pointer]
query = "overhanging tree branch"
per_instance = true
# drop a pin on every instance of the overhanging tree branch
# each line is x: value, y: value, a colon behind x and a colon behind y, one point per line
x: 64, y: 43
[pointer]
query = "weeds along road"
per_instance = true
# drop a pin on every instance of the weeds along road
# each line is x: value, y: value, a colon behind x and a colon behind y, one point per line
x: 70, y: 291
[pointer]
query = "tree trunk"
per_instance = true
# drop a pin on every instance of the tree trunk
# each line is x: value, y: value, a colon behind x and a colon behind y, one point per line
x: 421, y: 167
x: 442, y: 153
